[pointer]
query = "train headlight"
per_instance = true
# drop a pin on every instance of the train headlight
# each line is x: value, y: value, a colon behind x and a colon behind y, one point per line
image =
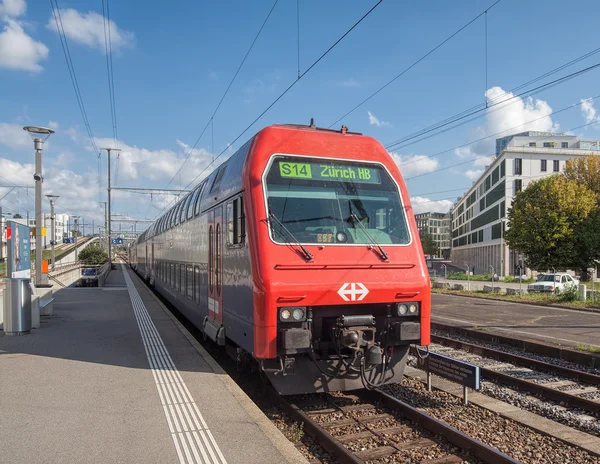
x: 292, y: 314
x: 413, y: 309
x: 298, y: 314
x: 407, y: 309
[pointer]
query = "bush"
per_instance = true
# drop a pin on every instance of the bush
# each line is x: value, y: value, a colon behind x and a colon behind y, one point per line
x: 93, y: 255
x: 568, y: 294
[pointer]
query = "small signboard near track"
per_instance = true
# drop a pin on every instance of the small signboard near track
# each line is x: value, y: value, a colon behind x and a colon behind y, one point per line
x: 452, y: 369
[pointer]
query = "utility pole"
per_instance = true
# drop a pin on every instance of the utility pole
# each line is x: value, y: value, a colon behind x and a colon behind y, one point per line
x: 52, y: 199
x: 103, y: 203
x: 108, y: 150
x: 39, y: 136
x: 76, y: 232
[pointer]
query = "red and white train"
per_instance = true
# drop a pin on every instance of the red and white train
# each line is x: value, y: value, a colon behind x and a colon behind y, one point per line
x: 301, y: 250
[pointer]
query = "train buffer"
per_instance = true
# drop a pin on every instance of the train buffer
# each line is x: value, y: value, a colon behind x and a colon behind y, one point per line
x: 112, y: 376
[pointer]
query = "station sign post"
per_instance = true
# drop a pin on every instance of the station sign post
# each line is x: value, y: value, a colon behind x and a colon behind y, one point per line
x: 466, y: 374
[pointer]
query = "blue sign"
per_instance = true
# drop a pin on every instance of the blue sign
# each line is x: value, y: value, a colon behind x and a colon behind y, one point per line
x: 117, y: 241
x: 19, y: 250
x: 69, y: 240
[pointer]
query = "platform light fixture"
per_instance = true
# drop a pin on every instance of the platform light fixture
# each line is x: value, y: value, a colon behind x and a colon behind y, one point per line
x: 39, y: 135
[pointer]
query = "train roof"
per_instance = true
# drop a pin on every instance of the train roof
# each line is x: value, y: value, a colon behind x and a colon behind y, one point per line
x: 225, y: 179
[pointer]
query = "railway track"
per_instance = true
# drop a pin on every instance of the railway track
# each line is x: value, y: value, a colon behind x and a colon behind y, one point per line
x: 376, y: 427
x: 563, y: 385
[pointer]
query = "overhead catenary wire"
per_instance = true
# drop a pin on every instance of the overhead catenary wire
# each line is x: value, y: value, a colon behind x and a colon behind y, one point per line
x: 211, y: 119
x: 531, y: 121
x: 415, y: 63
x: 480, y: 107
x: 274, y: 102
x: 71, y: 68
x: 470, y: 160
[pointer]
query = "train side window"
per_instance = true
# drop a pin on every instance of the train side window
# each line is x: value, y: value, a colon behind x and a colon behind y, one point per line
x: 192, y: 205
x: 197, y: 204
x: 235, y: 222
x: 190, y: 282
x: 210, y: 258
x: 196, y: 283
x: 218, y: 259
x: 230, y: 222
x: 171, y: 275
x: 182, y: 279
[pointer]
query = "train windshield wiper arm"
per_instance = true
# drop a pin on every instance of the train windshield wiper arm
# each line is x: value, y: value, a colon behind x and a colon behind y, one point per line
x: 355, y: 220
x: 307, y: 254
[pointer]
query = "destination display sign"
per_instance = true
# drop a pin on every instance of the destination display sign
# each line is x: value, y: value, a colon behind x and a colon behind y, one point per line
x: 452, y: 369
x: 327, y: 171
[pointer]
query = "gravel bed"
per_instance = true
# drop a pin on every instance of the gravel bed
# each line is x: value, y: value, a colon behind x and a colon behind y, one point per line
x: 551, y: 410
x: 527, y: 354
x: 506, y: 435
x: 540, y: 405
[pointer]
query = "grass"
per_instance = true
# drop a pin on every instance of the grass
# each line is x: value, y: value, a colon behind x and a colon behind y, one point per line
x: 2, y: 269
x: 527, y: 297
x: 483, y: 278
x: 589, y: 348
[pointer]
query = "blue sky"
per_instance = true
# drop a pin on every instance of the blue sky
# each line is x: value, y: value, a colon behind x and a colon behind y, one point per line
x: 172, y: 63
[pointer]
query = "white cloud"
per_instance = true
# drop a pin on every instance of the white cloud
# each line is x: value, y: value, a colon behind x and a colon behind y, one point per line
x: 473, y: 174
x: 12, y: 8
x: 53, y: 125
x: 588, y: 110
x: 483, y: 161
x: 13, y: 136
x: 505, y: 116
x: 374, y: 121
x: 159, y: 165
x: 19, y: 51
x: 80, y: 196
x: 350, y: 83
x: 423, y: 205
x: 88, y: 29
x: 414, y: 165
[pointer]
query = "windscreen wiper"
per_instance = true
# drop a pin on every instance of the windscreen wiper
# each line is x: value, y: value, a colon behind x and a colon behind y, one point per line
x: 307, y: 254
x: 382, y: 252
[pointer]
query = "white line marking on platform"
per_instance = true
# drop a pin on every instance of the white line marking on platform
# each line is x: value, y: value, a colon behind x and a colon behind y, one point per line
x: 184, y: 419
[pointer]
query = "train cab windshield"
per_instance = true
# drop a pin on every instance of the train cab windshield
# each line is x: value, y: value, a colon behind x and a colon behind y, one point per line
x: 323, y: 201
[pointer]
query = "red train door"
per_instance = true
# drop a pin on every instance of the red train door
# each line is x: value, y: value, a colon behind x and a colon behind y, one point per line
x: 215, y: 265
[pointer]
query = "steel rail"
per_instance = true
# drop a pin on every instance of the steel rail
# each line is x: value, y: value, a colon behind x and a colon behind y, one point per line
x: 547, y: 392
x: 479, y: 449
x: 581, y: 376
x: 325, y: 439
x: 456, y: 437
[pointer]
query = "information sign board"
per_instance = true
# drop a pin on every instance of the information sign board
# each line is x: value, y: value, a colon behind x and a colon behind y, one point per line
x: 19, y: 250
x: 327, y: 172
x: 457, y: 371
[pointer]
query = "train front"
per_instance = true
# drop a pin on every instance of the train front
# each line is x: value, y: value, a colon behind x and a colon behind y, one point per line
x: 341, y: 287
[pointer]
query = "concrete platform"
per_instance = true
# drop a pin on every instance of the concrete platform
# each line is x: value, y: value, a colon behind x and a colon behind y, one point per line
x: 557, y: 326
x: 112, y: 376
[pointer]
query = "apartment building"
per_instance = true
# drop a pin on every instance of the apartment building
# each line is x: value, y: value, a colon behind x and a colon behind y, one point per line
x: 437, y: 225
x: 479, y: 217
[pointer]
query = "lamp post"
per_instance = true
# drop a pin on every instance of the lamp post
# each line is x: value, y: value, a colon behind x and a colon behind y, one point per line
x: 52, y: 199
x: 108, y: 150
x: 39, y: 136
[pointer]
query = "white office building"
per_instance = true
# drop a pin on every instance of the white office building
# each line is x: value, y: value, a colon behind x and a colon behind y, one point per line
x: 479, y: 218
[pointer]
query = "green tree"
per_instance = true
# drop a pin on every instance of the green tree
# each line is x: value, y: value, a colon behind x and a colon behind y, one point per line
x: 545, y: 221
x: 93, y: 255
x: 429, y: 245
x: 585, y: 171
x: 17, y: 216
